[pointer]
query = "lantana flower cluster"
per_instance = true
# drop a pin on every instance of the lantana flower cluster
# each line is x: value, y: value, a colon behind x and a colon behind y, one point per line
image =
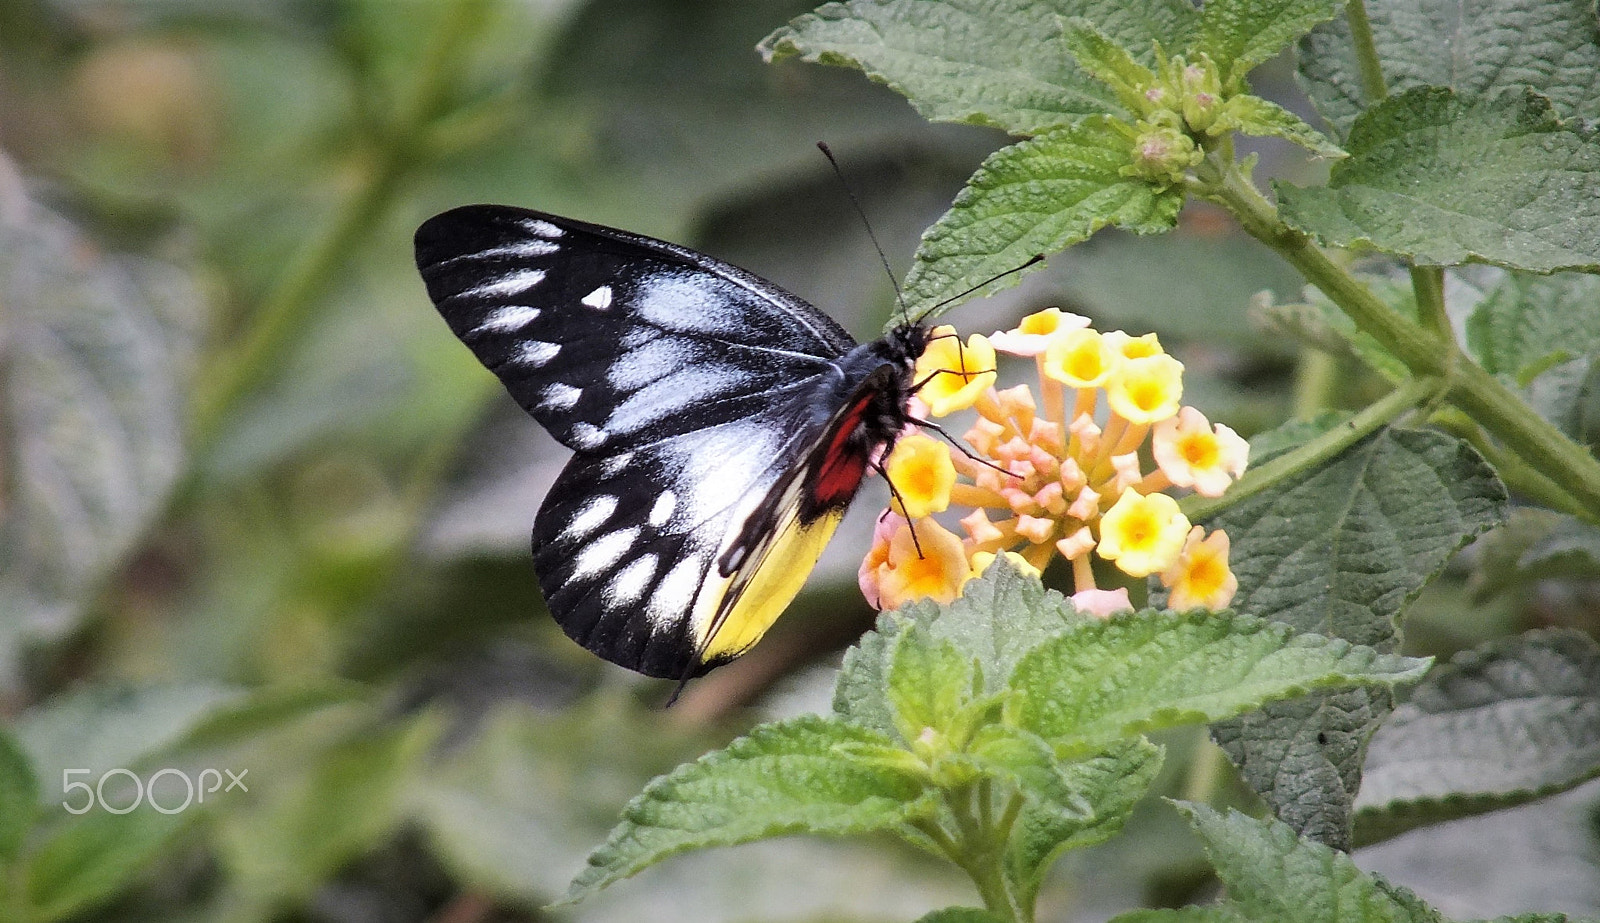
x: 1045, y: 478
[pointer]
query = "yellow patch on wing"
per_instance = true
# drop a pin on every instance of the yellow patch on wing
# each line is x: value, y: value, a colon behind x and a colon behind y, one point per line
x: 778, y: 572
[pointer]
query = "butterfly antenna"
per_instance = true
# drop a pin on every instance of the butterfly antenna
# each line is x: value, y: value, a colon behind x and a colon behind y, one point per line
x: 899, y: 297
x: 1032, y: 261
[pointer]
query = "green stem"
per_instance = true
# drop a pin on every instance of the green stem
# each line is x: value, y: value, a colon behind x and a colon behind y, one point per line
x: 1316, y: 451
x: 1371, y: 69
x: 981, y: 848
x: 1427, y: 285
x: 1480, y: 394
x: 1516, y: 473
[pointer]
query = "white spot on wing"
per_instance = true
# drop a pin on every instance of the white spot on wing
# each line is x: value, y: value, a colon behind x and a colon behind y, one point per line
x: 700, y: 303
x: 652, y: 361
x: 591, y: 516
x: 537, y: 352
x: 632, y: 581
x: 615, y: 463
x: 559, y: 396
x: 587, y: 435
x: 599, y: 299
x: 541, y: 228
x: 509, y: 318
x: 605, y: 551
x: 675, y: 393
x: 676, y: 592
x: 519, y: 248
x: 512, y: 283
x: 661, y: 512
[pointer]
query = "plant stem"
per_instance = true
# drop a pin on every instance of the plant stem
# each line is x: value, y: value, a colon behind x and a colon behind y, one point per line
x: 1480, y: 394
x: 1372, y: 84
x: 1516, y: 473
x: 1316, y: 451
x: 979, y: 852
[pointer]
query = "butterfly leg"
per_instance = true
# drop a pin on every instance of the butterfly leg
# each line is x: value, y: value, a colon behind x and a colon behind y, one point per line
x: 895, y: 492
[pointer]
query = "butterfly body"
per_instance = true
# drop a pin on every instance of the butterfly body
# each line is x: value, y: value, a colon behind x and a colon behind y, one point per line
x: 720, y: 426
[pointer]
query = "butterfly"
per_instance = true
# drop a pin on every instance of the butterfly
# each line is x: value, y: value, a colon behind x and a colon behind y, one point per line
x: 719, y: 425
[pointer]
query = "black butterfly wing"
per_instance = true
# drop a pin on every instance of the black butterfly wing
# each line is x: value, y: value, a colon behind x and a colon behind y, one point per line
x: 612, y: 340
x: 695, y: 396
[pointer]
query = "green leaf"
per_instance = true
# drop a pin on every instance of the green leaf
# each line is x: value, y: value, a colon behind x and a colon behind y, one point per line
x: 1082, y: 803
x: 97, y: 354
x: 1304, y: 757
x: 92, y: 857
x: 929, y: 681
x: 1106, y: 61
x: 1143, y: 671
x: 996, y: 63
x: 1568, y: 395
x: 1272, y: 874
x: 860, y: 694
x: 1506, y: 723
x: 1033, y: 198
x: 1253, y: 115
x: 791, y: 777
x: 997, y: 619
x: 1240, y: 34
x: 1340, y: 550
x: 1556, y: 53
x: 1522, y: 321
x: 19, y: 797
x: 1444, y: 180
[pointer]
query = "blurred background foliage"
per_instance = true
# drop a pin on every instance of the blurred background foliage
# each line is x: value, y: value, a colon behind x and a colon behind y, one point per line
x: 260, y: 511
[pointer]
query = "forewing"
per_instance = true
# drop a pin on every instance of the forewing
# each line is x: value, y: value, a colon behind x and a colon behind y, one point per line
x: 614, y: 341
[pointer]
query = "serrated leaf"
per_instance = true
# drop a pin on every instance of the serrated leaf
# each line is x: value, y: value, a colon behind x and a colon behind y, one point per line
x: 997, y: 619
x: 1500, y: 725
x: 1339, y: 551
x: 19, y: 796
x: 1141, y: 671
x: 95, y: 358
x: 860, y: 693
x: 1240, y: 34
x: 1556, y: 53
x: 1259, y: 117
x: 1105, y: 60
x: 993, y: 62
x: 1055, y: 821
x: 1304, y: 757
x: 929, y: 681
x: 790, y: 777
x: 1523, y: 321
x: 90, y: 858
x: 1036, y: 197
x: 1444, y: 180
x: 1273, y: 874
